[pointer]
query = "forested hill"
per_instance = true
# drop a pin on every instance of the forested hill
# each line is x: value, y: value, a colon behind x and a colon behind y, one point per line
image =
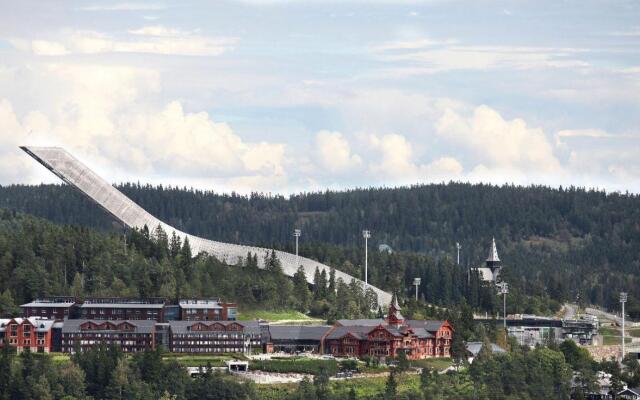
x: 565, y: 242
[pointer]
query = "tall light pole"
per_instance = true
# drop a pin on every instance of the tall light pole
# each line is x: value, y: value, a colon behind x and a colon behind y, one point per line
x: 297, y: 233
x: 503, y: 289
x: 416, y: 283
x: 366, y: 235
x: 458, y: 247
x: 623, y: 299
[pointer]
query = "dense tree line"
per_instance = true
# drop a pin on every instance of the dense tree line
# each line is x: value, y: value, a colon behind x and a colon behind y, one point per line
x: 39, y: 258
x: 560, y: 244
x: 106, y: 373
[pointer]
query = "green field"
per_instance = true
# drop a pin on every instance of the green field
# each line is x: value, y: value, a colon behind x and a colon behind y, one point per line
x: 202, y: 360
x: 248, y: 315
x: 60, y: 358
x: 298, y: 365
x: 364, y: 387
x: 433, y: 363
x: 611, y: 336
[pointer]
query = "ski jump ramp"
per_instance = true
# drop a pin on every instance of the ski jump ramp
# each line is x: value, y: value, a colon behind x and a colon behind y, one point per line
x: 78, y: 175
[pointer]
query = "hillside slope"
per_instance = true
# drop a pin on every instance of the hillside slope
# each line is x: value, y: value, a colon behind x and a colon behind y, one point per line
x: 560, y: 242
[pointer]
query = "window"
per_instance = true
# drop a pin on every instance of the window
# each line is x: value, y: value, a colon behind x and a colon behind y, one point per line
x: 13, y: 330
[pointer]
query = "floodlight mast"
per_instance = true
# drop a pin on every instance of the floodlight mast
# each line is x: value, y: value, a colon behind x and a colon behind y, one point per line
x: 623, y: 299
x: 503, y: 289
x: 458, y: 247
x: 297, y: 233
x: 416, y: 283
x: 366, y: 235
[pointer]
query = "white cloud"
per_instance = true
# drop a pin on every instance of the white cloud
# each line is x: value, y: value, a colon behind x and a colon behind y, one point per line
x: 125, y: 7
x: 333, y: 152
x: 158, y: 30
x: 99, y: 118
x: 593, y: 133
x: 499, y: 143
x: 47, y: 48
x: 397, y: 161
x: 427, y: 55
x: 149, y: 40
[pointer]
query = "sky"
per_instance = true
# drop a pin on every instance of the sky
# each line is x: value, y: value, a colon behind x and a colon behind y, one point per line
x: 282, y: 96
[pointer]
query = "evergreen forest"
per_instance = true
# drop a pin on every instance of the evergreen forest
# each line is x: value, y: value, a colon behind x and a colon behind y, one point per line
x: 557, y: 245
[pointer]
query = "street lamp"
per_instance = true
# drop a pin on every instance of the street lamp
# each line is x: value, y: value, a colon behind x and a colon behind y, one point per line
x: 297, y: 233
x: 503, y: 289
x: 416, y: 283
x: 366, y: 235
x: 623, y: 299
x: 458, y: 247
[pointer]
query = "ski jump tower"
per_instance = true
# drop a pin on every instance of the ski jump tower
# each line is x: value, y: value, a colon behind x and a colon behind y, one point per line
x: 78, y: 175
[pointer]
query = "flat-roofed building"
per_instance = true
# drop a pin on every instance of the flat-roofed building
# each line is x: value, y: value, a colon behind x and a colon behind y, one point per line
x: 130, y: 335
x: 214, y: 336
x: 32, y: 334
x: 207, y: 310
x: 55, y: 307
x: 297, y: 338
x: 116, y: 308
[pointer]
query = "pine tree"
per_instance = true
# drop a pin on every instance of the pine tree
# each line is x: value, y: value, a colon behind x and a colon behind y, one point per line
x: 391, y: 387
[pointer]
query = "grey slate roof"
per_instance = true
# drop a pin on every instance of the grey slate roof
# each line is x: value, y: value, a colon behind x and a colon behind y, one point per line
x: 360, y: 331
x: 142, y: 326
x: 121, y: 305
x: 41, y: 325
x: 250, y: 327
x: 297, y: 332
x: 208, y: 306
x: 47, y: 304
x: 474, y: 348
x: 361, y: 322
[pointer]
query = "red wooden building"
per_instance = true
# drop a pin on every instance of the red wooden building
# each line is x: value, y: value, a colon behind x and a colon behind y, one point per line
x: 58, y: 308
x: 32, y: 334
x: 131, y: 335
x: 117, y: 308
x: 388, y: 337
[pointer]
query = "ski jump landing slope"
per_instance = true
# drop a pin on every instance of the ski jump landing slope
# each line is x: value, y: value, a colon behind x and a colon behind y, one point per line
x: 78, y: 175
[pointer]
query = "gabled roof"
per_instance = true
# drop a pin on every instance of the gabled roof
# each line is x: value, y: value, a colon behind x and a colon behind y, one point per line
x: 297, y: 332
x: 361, y: 322
x: 359, y: 332
x: 428, y: 325
x: 122, y: 305
x: 140, y: 326
x: 635, y: 391
x: 474, y: 348
x: 41, y: 325
x: 251, y: 327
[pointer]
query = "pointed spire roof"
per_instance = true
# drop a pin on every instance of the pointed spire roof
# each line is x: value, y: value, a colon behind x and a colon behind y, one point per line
x: 493, y: 253
x: 394, y: 302
x: 395, y: 317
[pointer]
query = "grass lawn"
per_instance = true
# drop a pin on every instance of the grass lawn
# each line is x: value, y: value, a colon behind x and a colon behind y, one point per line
x: 299, y: 365
x: 433, y: 363
x: 370, y: 387
x: 247, y: 315
x: 612, y: 336
x: 60, y: 358
x: 202, y: 360
x: 634, y: 332
x: 364, y: 387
